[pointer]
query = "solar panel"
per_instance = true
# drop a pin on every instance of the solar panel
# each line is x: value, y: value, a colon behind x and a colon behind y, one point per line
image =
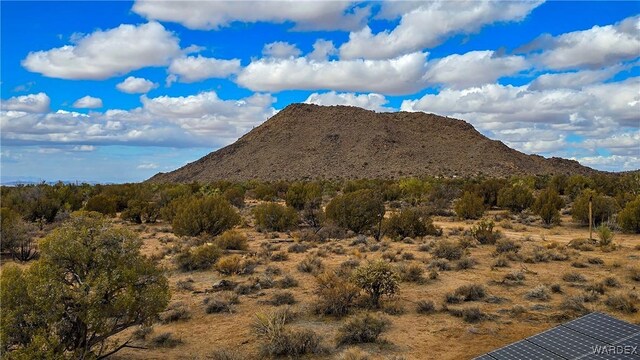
x: 523, y: 350
x: 603, y: 327
x: 595, y: 336
x: 566, y: 342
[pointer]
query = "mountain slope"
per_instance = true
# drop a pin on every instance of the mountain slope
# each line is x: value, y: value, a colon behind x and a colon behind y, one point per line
x: 335, y: 142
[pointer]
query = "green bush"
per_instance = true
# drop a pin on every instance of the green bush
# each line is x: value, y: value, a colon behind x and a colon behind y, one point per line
x: 198, y: 258
x: 548, y: 205
x: 139, y: 211
x: 605, y: 235
x: 211, y: 214
x: 377, y: 278
x: 603, y: 208
x: 629, y: 217
x: 469, y: 206
x: 410, y: 223
x: 13, y: 231
x: 484, y: 233
x: 449, y: 250
x: 90, y: 284
x: 232, y: 240
x: 274, y: 217
x: 515, y: 198
x: 299, y: 194
x: 359, y: 211
x: 235, y: 195
x: 362, y: 329
x: 103, y: 204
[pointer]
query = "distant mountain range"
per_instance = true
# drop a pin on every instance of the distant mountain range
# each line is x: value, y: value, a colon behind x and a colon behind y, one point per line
x: 306, y: 141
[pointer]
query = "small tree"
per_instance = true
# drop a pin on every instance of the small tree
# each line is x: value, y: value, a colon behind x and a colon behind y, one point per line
x: 470, y: 206
x: 603, y: 207
x: 299, y: 194
x: 211, y: 214
x: 274, y: 217
x: 359, y: 211
x: 410, y: 222
x: 605, y: 235
x: 548, y: 205
x: 377, y: 278
x: 235, y: 195
x: 90, y: 284
x: 14, y: 236
x: 103, y: 204
x: 629, y: 217
x: 515, y: 198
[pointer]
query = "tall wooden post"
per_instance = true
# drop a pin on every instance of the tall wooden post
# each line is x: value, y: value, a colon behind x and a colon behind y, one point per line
x: 590, y: 219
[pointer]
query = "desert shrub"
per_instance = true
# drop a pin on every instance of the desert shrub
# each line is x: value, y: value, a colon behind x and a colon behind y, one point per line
x: 234, y: 265
x: 595, y: 261
x: 282, y: 298
x: 211, y: 214
x: 165, y: 340
x: 469, y: 206
x: 279, y: 256
x: 629, y: 217
x: 362, y: 329
x: 538, y: 293
x: 574, y: 304
x: 186, y: 284
x: 515, y: 198
x: 425, y: 307
x: 573, y: 277
x: 556, y: 288
x: 409, y: 223
x: 275, y: 217
x: 280, y: 341
x: 331, y: 231
x: 411, y: 273
x: 298, y: 248
x: 484, y: 233
x: 272, y: 270
x: 175, y: 312
x: 466, y: 263
x: 359, y: 211
x: 45, y: 307
x: 336, y: 295
x: 224, y: 354
x: 139, y: 211
x: 634, y: 273
x: 581, y: 244
x: 472, y: 292
x: 548, y: 205
x: 439, y: 264
x: 220, y: 303
x: 501, y: 261
x: 232, y: 240
x: 235, y: 195
x: 605, y: 235
x: 286, y: 282
x: 507, y: 245
x: 470, y: 315
x: 449, y: 250
x: 377, y: 278
x: 310, y: 264
x: 15, y: 237
x: 300, y: 194
x: 619, y: 302
x: 198, y: 258
x: 394, y: 308
x: 514, y: 278
x: 611, y: 282
x: 265, y: 192
x: 101, y: 203
x: 603, y: 207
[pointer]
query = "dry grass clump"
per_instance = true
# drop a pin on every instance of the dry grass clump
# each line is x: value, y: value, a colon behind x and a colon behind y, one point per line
x: 439, y: 264
x: 466, y: 263
x: 634, y: 273
x: 175, y: 312
x: 225, y: 354
x: 611, y: 282
x: 279, y: 341
x: 507, y: 245
x: 186, y: 284
x: 310, y: 264
x: 165, y: 340
x: 282, y: 298
x: 582, y: 244
x: 411, y: 273
x: 472, y: 292
x: 235, y: 265
x: 232, y: 240
x: 470, y: 315
x: 336, y: 294
x: 425, y: 307
x: 219, y: 303
x: 513, y: 278
x: 449, y: 250
x: 501, y: 261
x: 361, y: 329
x: 574, y: 304
x: 623, y: 303
x: 540, y: 293
x: 595, y: 261
x: 574, y: 277
x: 286, y: 282
x: 279, y: 256
x: 298, y: 248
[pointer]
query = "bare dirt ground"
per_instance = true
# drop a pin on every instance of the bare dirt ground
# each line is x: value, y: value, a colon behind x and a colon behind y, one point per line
x: 411, y: 336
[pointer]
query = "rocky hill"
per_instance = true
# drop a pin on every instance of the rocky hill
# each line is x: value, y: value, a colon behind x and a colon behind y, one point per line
x: 336, y: 142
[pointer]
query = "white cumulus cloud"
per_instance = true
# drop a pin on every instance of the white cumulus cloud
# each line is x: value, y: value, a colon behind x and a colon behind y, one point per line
x: 104, y: 54
x: 88, y: 102
x: 197, y: 68
x: 281, y: 50
x: 136, y: 85
x: 212, y: 15
x: 371, y: 101
x: 32, y: 103
x: 427, y: 24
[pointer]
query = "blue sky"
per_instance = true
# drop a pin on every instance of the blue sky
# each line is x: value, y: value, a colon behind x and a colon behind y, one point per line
x: 117, y: 91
